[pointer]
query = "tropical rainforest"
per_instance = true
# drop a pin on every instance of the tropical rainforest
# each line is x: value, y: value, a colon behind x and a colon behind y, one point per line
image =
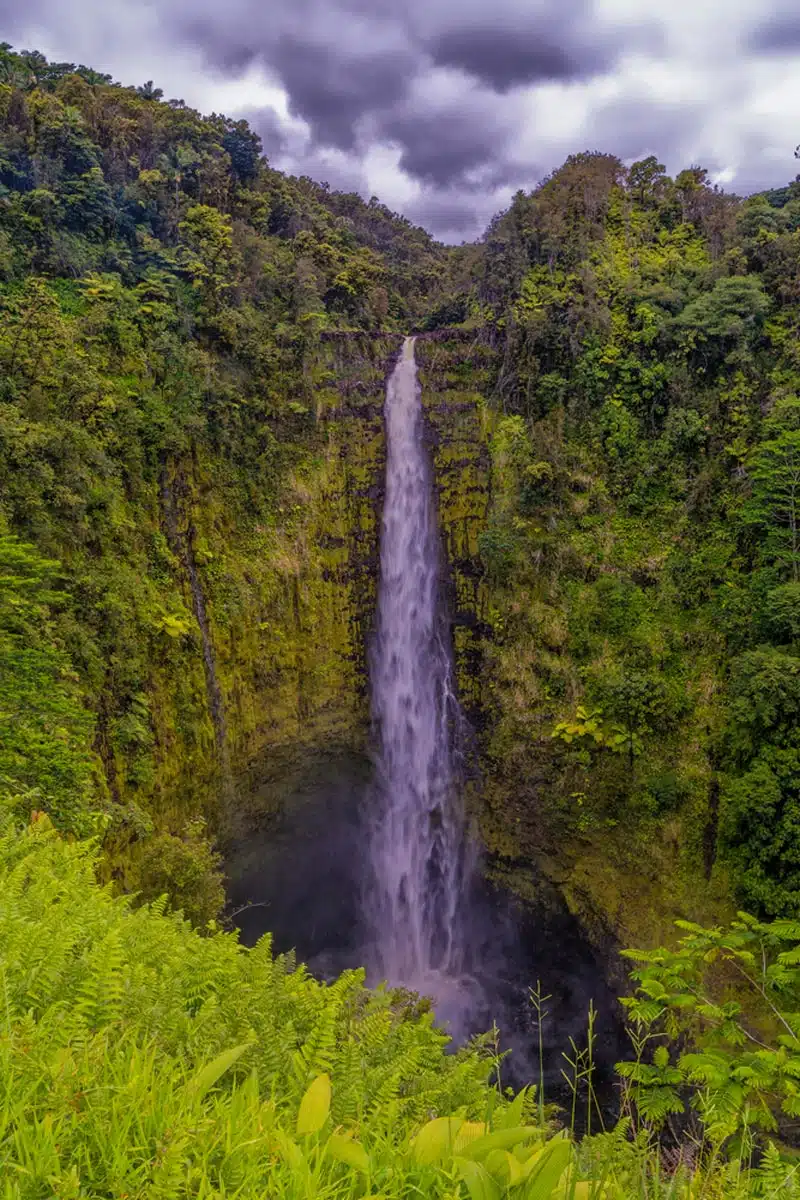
x: 193, y: 353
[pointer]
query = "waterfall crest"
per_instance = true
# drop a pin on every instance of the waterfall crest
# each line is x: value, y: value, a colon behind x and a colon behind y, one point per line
x: 419, y: 854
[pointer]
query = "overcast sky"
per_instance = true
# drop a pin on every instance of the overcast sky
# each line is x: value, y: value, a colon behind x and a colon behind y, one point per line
x: 444, y: 108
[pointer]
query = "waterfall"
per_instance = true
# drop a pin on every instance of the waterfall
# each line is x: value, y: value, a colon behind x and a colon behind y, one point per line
x: 419, y: 855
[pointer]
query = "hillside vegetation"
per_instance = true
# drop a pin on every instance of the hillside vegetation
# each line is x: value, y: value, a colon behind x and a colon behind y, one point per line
x: 643, y: 545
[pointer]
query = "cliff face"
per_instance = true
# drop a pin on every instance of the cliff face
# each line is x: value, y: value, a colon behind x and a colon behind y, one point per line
x: 294, y: 677
x: 264, y: 607
x: 314, y: 710
x: 626, y: 883
x: 453, y: 373
x: 289, y: 607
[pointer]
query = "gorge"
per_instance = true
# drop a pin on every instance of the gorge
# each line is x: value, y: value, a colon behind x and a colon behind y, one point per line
x: 371, y: 858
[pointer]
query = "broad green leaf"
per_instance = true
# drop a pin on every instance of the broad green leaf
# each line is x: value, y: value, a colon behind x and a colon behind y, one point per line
x: 469, y: 1132
x: 480, y: 1184
x: 291, y: 1152
x: 436, y: 1139
x: 315, y: 1106
x: 208, y: 1075
x: 503, y: 1167
x: 524, y: 1153
x: 545, y: 1171
x: 345, y: 1150
x: 501, y: 1139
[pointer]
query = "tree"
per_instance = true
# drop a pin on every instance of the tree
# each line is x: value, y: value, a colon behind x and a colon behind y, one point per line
x: 13, y: 70
x: 760, y: 832
x: 734, y: 309
x: 148, y: 92
x: 725, y: 321
x: 781, y: 613
x: 646, y: 179
x: 691, y: 186
x: 244, y: 147
x: 45, y: 731
x: 775, y: 474
x: 760, y: 813
x: 208, y: 257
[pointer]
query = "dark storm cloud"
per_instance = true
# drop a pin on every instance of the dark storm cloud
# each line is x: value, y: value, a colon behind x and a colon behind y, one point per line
x: 510, y: 172
x: 332, y: 89
x: 449, y: 215
x: 329, y: 85
x: 222, y: 45
x: 336, y: 66
x: 779, y: 33
x: 444, y: 146
x: 506, y: 58
x: 551, y: 41
x: 350, y: 66
x: 268, y: 125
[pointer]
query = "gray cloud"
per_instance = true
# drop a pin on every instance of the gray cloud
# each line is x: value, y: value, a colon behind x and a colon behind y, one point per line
x: 268, y: 125
x: 507, y: 56
x: 343, y: 173
x: 445, y: 107
x: 633, y: 128
x: 345, y: 63
x: 443, y: 146
x: 778, y: 33
x: 449, y: 215
x: 336, y: 64
x: 332, y: 89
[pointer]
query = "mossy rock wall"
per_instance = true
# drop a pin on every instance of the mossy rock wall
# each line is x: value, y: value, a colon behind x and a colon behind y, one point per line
x: 626, y: 885
x: 453, y: 374
x: 269, y: 608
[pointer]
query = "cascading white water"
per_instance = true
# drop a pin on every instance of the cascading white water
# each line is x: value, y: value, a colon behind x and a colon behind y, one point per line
x: 418, y: 851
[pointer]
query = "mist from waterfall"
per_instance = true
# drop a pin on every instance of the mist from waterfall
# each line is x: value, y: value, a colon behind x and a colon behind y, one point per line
x: 419, y: 850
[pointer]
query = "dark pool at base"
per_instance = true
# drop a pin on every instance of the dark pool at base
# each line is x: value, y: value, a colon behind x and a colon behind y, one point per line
x: 298, y: 875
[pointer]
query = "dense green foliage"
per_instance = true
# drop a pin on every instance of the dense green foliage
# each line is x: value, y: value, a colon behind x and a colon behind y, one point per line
x: 44, y: 755
x: 735, y: 993
x: 141, y: 1059
x: 117, y: 1025
x: 643, y: 544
